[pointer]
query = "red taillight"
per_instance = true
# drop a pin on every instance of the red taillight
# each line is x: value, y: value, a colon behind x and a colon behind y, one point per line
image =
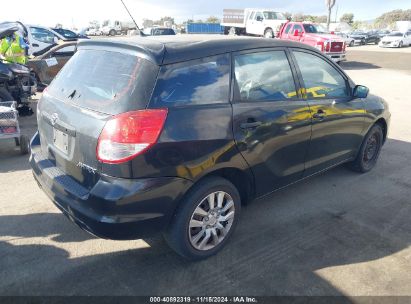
x: 129, y: 134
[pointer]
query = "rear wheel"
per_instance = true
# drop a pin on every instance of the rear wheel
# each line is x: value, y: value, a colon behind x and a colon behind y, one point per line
x: 232, y: 31
x: 205, y: 220
x: 370, y: 150
x: 24, y: 144
x: 268, y: 33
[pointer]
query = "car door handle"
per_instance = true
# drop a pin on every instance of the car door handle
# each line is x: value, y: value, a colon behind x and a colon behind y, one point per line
x: 320, y: 114
x: 250, y: 125
x: 35, y: 45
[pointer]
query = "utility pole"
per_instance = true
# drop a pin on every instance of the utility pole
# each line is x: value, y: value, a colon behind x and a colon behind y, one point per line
x: 336, y: 13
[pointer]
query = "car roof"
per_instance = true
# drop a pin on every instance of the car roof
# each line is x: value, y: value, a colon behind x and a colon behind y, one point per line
x: 171, y: 49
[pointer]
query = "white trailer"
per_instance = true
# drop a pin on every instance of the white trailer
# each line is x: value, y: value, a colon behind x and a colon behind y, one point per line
x: 253, y: 21
x: 403, y: 26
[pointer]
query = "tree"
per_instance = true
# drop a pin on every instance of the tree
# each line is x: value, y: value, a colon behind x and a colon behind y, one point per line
x: 391, y: 17
x: 287, y: 15
x: 321, y: 19
x: 348, y: 17
x: 329, y: 4
x: 94, y: 24
x: 213, y: 19
x: 298, y: 17
x: 164, y: 19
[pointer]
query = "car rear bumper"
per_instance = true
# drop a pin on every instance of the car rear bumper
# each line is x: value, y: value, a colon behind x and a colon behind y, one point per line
x: 337, y: 57
x: 114, y: 208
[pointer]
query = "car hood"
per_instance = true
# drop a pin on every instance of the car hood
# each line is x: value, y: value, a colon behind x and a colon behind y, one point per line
x: 391, y: 38
x: 324, y: 37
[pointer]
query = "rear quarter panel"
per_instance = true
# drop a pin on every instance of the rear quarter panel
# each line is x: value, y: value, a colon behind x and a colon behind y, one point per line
x: 195, y: 141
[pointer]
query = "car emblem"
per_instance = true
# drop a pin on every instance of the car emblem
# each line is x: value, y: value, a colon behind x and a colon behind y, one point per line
x: 54, y: 118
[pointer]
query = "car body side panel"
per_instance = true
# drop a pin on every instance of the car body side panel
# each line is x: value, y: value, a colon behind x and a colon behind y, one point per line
x: 195, y: 141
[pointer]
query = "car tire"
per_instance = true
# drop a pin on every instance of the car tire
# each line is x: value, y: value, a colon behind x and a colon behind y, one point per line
x: 268, y: 33
x: 363, y: 42
x: 370, y: 150
x: 352, y: 43
x: 400, y: 44
x: 196, y: 232
x: 24, y: 144
x: 112, y: 33
x: 5, y: 95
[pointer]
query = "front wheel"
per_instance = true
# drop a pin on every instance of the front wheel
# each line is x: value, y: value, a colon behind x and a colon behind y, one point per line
x: 351, y: 43
x: 400, y: 44
x: 205, y: 220
x: 112, y: 33
x: 370, y: 150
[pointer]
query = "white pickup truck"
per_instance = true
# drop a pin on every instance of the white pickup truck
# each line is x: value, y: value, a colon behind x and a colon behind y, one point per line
x: 250, y: 21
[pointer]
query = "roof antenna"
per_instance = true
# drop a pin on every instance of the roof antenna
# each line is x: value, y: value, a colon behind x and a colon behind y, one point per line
x: 141, y: 33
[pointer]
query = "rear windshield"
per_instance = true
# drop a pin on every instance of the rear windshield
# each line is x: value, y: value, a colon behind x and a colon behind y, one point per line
x: 105, y: 81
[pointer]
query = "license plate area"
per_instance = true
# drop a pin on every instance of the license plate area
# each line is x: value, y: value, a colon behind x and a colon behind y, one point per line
x: 61, y: 140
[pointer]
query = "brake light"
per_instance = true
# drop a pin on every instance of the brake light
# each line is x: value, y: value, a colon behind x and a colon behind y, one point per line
x: 129, y: 134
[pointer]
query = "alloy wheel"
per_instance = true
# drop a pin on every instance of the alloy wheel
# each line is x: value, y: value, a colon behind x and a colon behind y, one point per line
x: 211, y: 220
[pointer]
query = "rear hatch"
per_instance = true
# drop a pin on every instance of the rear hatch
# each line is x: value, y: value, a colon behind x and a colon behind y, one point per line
x: 92, y: 87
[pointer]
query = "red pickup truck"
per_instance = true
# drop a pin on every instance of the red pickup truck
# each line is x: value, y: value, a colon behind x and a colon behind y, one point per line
x: 308, y: 33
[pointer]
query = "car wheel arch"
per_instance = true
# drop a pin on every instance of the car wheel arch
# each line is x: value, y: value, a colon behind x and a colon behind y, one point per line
x: 242, y: 180
x: 382, y: 122
x: 269, y: 29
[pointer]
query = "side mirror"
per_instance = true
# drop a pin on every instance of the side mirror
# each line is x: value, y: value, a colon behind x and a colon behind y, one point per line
x: 296, y: 33
x: 361, y: 91
x: 259, y: 18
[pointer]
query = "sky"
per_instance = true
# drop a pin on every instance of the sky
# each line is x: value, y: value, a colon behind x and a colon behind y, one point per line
x: 78, y: 13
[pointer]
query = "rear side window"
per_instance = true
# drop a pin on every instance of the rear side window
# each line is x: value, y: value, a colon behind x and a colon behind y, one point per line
x: 298, y: 28
x: 201, y: 81
x: 105, y: 81
x: 264, y: 76
x: 320, y: 78
x: 287, y: 29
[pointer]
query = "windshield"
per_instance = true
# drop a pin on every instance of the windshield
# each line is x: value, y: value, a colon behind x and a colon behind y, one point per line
x: 311, y: 28
x: 66, y: 33
x: 273, y: 16
x: 395, y: 35
x: 104, y: 81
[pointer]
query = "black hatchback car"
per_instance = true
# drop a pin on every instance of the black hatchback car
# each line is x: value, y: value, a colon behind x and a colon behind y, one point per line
x: 174, y: 134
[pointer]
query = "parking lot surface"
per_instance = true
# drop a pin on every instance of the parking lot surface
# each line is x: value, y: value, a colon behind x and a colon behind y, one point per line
x: 339, y: 233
